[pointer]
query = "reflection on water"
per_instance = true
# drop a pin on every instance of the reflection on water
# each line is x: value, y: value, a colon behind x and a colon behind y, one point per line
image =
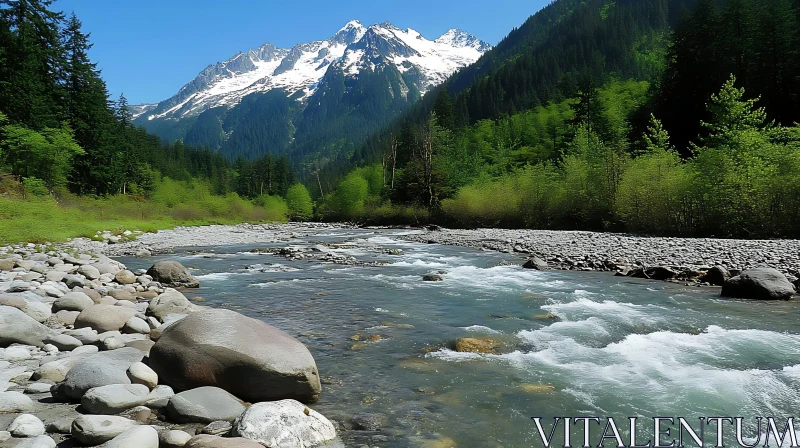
x: 566, y: 344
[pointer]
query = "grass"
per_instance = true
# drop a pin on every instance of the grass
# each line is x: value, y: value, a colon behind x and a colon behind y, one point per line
x: 41, y: 220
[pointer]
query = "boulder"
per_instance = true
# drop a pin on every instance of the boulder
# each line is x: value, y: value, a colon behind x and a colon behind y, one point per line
x: 140, y: 373
x: 114, y: 398
x: 204, y: 405
x: 26, y: 425
x: 73, y: 301
x: 100, y: 369
x: 249, y: 358
x: 285, y: 424
x: 38, y: 311
x: 173, y: 438
x: 169, y: 302
x: 55, y: 371
x: 432, y: 278
x: 717, y: 276
x: 107, y: 267
x: 159, y: 397
x: 73, y: 280
x: 136, y: 325
x: 64, y: 342
x: 136, y: 437
x: 85, y: 335
x: 97, y: 429
x: 172, y: 273
x: 90, y: 272
x: 125, y: 277
x: 104, y: 317
x: 536, y: 263
x: 207, y: 441
x: 761, y: 283
x: 18, y: 327
x: 14, y: 402
x: 660, y: 273
x: 37, y: 442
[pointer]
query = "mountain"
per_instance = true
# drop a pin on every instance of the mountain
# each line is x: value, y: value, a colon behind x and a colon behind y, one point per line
x: 356, y: 80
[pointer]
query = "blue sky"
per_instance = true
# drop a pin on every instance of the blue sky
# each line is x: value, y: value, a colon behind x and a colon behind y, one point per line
x: 149, y: 48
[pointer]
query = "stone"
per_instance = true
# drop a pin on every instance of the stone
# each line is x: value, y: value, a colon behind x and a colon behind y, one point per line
x: 475, y: 345
x: 104, y: 317
x: 85, y: 335
x: 100, y: 369
x: 60, y: 426
x: 660, y: 273
x: 125, y: 277
x: 97, y: 429
x: 14, y: 402
x: 144, y: 345
x: 64, y: 342
x: 50, y: 349
x: 285, y: 424
x: 89, y: 271
x: 761, y: 283
x: 107, y: 267
x: 136, y: 325
x: 72, y: 280
x: 93, y: 294
x: 247, y: 357
x: 169, y: 302
x: 38, y: 388
x: 38, y: 311
x: 204, y: 405
x: 217, y: 428
x: 112, y: 343
x: 14, y: 300
x: 159, y: 397
x: 432, y: 278
x: 18, y: 327
x: 172, y: 273
x: 121, y: 294
x: 7, y: 264
x: 140, y: 373
x: 55, y: 371
x: 536, y: 263
x: 73, y: 301
x: 174, y: 438
x: 51, y: 291
x: 136, y: 437
x: 208, y: 441
x: 114, y: 398
x: 717, y: 276
x: 55, y: 276
x: 16, y: 354
x: 18, y: 286
x: 67, y: 317
x: 42, y: 441
x: 26, y: 425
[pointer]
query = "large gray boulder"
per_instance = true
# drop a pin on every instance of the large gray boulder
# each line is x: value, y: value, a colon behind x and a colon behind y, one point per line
x: 285, y: 424
x: 100, y: 369
x: 169, y: 302
x: 104, y: 317
x: 204, y: 405
x: 172, y: 273
x: 114, y: 398
x: 761, y: 283
x: 248, y: 358
x: 18, y: 327
x: 97, y: 429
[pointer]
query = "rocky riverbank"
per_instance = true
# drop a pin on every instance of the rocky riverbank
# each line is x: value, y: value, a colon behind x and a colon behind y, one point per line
x: 677, y: 259
x: 146, y: 366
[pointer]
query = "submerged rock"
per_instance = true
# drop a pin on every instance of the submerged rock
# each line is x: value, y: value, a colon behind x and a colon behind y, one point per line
x: 762, y: 283
x: 475, y: 345
x: 248, y: 358
x: 536, y: 263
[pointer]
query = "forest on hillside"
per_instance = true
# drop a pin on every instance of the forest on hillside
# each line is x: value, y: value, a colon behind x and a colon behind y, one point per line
x: 638, y: 116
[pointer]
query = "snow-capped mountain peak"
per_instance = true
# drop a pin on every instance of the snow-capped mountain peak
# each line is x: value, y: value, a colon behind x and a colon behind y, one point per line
x: 300, y: 69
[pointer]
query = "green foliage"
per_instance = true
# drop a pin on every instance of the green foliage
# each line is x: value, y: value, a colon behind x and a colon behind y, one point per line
x: 298, y: 200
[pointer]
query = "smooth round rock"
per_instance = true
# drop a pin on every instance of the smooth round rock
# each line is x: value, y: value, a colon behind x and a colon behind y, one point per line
x: 100, y: 369
x: 125, y: 277
x: 67, y: 317
x: 114, y: 398
x: 26, y: 425
x: 104, y: 318
x: 174, y: 438
x: 90, y: 272
x: 73, y: 301
x: 38, y: 388
x: 112, y: 343
x: 97, y: 429
x: 761, y: 283
x: 204, y: 405
x: 18, y: 327
x: 141, y: 373
x: 14, y: 402
x: 64, y: 342
x: 38, y: 311
x: 136, y: 325
x: 37, y: 442
x: 137, y: 437
x: 285, y: 423
x: 169, y: 302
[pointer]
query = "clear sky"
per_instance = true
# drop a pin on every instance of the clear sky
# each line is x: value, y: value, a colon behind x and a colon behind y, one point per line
x: 148, y: 49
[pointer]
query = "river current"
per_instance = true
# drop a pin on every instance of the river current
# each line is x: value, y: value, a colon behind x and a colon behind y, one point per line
x: 567, y: 343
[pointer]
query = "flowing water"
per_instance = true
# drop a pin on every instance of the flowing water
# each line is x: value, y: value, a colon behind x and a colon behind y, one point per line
x: 568, y: 344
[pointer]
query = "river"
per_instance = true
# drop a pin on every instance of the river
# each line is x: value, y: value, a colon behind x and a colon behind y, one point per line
x: 568, y: 343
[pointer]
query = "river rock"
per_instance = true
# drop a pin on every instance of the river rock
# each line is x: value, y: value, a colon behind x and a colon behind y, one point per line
x: 55, y: 276
x: 660, y: 273
x: 136, y: 437
x: 74, y: 280
x: 114, y: 398
x: 140, y: 373
x: 64, y: 342
x: 67, y: 317
x: 207, y: 441
x: 761, y: 283
x: 284, y: 424
x: 112, y: 343
x: 159, y: 397
x: 85, y: 335
x: 249, y: 358
x: 217, y: 428
x: 173, y: 438
x: 18, y: 286
x: 123, y: 295
x: 204, y: 405
x: 104, y: 317
x: 169, y: 302
x: 16, y: 353
x: 125, y: 277
x: 90, y: 272
x: 60, y: 426
x: 100, y: 369
x: 535, y: 263
x: 18, y: 327
x: 97, y: 429
x: 42, y: 441
x: 26, y: 425
x: 14, y: 402
x: 38, y: 388
x: 172, y: 273
x: 136, y: 325
x: 717, y: 276
x: 38, y: 311
x: 55, y: 371
x: 73, y: 301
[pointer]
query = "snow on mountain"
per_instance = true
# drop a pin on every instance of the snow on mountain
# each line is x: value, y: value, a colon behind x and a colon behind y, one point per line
x: 300, y: 69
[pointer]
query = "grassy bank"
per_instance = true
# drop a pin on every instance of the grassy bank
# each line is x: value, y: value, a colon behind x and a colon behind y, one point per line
x: 43, y: 219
